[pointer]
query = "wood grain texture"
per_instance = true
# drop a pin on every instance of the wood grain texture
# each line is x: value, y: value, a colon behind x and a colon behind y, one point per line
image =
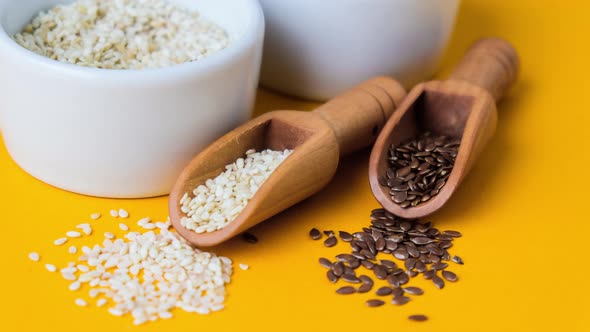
x: 341, y: 126
x: 463, y: 106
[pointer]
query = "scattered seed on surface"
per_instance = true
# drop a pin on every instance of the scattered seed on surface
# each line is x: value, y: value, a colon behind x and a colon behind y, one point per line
x: 458, y: 260
x: 450, y: 276
x: 439, y: 266
x: 346, y: 290
x: 364, y: 288
x: 366, y: 280
x: 397, y: 292
x: 50, y: 267
x: 400, y: 300
x: 86, y: 228
x: 123, y: 227
x: 95, y: 216
x: 73, y: 234
x: 375, y: 303
x: 330, y: 241
x: 82, y: 268
x: 250, y: 238
x: 413, y: 290
x: 338, y: 268
x: 332, y: 277
x: 60, y: 241
x: 388, y: 264
x: 401, y: 254
x: 74, y: 286
x: 114, y: 213
x: 452, y: 233
x: 350, y: 278
x: 438, y: 282
x: 34, y: 256
x: 123, y: 213
x: 81, y: 303
x: 109, y: 235
x: 72, y: 250
x: 315, y: 234
x: 325, y: 263
x: 384, y: 291
x: 345, y: 236
x: 244, y: 267
x: 418, y: 318
x: 101, y: 302
x: 409, y: 264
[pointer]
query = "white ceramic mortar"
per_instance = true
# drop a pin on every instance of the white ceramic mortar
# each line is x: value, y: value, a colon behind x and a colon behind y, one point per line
x: 317, y: 49
x: 123, y: 133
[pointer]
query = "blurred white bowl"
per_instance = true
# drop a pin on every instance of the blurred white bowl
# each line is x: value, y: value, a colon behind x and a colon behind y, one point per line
x: 123, y: 133
x: 318, y: 49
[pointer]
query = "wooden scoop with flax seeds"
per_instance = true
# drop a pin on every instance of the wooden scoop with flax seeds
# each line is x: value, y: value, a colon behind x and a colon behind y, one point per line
x: 318, y: 139
x: 462, y: 107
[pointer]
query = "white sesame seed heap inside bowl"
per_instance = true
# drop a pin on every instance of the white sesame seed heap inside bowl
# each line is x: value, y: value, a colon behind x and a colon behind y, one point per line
x: 219, y: 201
x: 122, y: 34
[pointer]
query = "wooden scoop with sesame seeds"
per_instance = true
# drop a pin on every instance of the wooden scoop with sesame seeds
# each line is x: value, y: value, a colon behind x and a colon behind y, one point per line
x: 318, y: 139
x: 462, y: 107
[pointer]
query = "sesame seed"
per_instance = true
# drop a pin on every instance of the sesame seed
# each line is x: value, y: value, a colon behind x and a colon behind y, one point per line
x: 82, y: 268
x: 115, y: 312
x: 143, y: 221
x: 68, y: 276
x: 101, y: 302
x: 149, y: 226
x: 73, y: 234
x: 34, y: 256
x: 74, y: 286
x: 114, y: 213
x: 109, y: 235
x: 87, y: 230
x: 93, y: 293
x: 123, y: 213
x: 60, y: 241
x: 95, y: 216
x: 123, y: 227
x: 165, y: 314
x: 163, y: 225
x: 82, y: 225
x: 81, y: 303
x: 244, y: 267
x: 50, y: 267
x: 72, y: 250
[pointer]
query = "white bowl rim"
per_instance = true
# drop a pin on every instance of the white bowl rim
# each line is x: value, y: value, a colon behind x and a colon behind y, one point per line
x: 9, y: 47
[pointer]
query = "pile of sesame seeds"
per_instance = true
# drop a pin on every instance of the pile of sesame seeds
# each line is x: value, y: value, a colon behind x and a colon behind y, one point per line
x: 219, y: 201
x: 144, y: 274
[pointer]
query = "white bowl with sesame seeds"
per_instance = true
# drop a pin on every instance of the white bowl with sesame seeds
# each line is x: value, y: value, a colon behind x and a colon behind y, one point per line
x: 123, y: 132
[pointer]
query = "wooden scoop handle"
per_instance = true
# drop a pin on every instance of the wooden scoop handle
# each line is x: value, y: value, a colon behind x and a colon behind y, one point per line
x: 358, y: 115
x: 491, y: 63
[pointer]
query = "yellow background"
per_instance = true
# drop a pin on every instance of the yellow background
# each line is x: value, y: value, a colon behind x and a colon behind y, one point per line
x: 522, y: 212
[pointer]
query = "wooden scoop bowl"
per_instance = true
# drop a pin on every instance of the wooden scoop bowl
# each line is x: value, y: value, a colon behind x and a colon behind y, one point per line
x: 319, y: 138
x: 464, y: 106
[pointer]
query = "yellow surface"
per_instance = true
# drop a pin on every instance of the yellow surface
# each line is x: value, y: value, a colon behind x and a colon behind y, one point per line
x: 522, y: 212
